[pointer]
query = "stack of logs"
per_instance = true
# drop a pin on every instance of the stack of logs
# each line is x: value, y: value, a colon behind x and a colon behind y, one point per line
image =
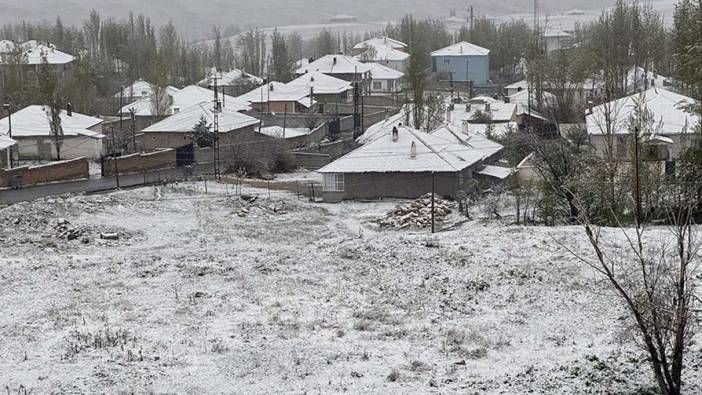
x: 417, y: 214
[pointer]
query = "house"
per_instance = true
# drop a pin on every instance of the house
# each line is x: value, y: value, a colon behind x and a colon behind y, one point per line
x: 556, y: 40
x: 33, y: 54
x: 519, y: 86
x: 277, y: 97
x: 669, y: 134
x: 176, y: 130
x: 402, y: 163
x: 31, y: 130
x: 463, y: 62
x: 384, y: 41
x: 342, y: 18
x: 386, y: 51
x: 384, y: 80
x: 324, y: 88
x: 482, y: 109
x: 6, y: 145
x: 340, y: 66
x: 177, y: 100
x: 139, y: 90
x: 234, y: 82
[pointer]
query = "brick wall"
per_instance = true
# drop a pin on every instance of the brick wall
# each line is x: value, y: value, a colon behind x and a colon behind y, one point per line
x: 60, y: 171
x: 139, y: 163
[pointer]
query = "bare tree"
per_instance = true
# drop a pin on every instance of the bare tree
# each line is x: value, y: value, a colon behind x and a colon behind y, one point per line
x: 161, y: 101
x: 654, y: 279
x: 53, y: 101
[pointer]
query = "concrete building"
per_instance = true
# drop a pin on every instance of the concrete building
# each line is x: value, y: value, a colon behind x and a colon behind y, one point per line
x: 6, y: 145
x: 402, y: 163
x: 463, y: 62
x: 82, y: 135
x: 671, y: 133
x: 557, y: 40
x: 176, y: 130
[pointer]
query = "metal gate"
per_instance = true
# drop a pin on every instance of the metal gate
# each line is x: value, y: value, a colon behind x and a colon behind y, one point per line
x: 185, y: 155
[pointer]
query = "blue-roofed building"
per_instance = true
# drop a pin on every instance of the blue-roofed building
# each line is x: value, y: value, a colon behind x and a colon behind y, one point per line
x: 463, y: 62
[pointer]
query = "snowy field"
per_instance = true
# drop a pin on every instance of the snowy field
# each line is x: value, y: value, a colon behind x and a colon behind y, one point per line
x: 206, y: 293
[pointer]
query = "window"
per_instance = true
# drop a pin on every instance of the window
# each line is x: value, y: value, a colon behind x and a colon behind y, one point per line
x: 377, y: 85
x: 333, y: 182
x: 447, y: 61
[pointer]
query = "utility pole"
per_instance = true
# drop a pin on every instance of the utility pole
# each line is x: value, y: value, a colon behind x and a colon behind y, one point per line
x: 132, y: 115
x: 114, y: 155
x: 7, y: 106
x: 217, y: 106
x: 637, y: 179
x: 433, y: 192
x: 121, y: 99
x: 285, y: 119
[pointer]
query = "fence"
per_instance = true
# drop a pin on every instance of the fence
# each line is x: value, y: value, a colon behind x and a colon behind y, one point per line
x: 139, y: 163
x: 73, y: 169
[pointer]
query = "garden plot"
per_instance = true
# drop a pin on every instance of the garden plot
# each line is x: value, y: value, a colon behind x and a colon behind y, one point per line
x: 209, y: 293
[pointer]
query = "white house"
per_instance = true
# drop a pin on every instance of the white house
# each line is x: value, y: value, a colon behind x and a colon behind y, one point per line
x: 31, y: 129
x: 556, y: 40
x: 669, y: 133
x: 277, y: 97
x: 139, y: 90
x: 384, y: 41
x: 325, y: 88
x: 384, y: 80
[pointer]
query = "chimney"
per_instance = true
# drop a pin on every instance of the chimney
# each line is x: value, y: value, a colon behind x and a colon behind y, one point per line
x: 448, y: 115
x: 334, y: 60
x: 653, y: 82
x: 468, y: 107
x: 69, y: 110
x: 507, y: 99
x: 413, y: 151
x: 589, y: 108
x: 270, y: 87
x: 487, y: 107
x: 395, y: 134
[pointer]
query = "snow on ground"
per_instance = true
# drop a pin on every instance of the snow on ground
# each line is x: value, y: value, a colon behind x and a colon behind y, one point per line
x: 205, y: 293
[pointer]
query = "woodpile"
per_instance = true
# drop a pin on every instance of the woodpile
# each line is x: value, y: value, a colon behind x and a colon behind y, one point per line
x: 417, y: 214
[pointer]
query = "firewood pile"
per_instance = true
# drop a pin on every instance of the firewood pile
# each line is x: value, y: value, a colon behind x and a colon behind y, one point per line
x: 417, y: 214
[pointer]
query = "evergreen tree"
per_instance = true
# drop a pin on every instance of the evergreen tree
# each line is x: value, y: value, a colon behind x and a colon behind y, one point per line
x: 202, y: 133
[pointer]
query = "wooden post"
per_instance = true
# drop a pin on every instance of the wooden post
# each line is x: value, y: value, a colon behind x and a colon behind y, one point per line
x: 433, y: 192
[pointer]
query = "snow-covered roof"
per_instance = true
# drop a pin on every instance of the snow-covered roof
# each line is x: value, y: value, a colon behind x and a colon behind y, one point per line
x: 335, y: 64
x: 33, y: 121
x: 7, y: 46
x: 556, y: 34
x: 383, y: 155
x: 322, y: 83
x: 522, y: 98
x: 381, y: 72
x: 383, y: 126
x: 231, y: 77
x: 278, y: 92
x: 384, y: 53
x: 381, y: 42
x: 185, y: 98
x: 185, y: 120
x: 498, y: 172
x: 35, y: 52
x: 6, y: 142
x: 499, y: 110
x: 667, y: 107
x: 475, y: 141
x: 278, y: 132
x: 462, y: 49
x: 523, y: 84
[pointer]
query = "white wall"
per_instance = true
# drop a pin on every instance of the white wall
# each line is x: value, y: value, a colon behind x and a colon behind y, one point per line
x: 72, y: 147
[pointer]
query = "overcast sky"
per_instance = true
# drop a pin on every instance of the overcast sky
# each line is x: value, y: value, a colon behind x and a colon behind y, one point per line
x: 195, y: 17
